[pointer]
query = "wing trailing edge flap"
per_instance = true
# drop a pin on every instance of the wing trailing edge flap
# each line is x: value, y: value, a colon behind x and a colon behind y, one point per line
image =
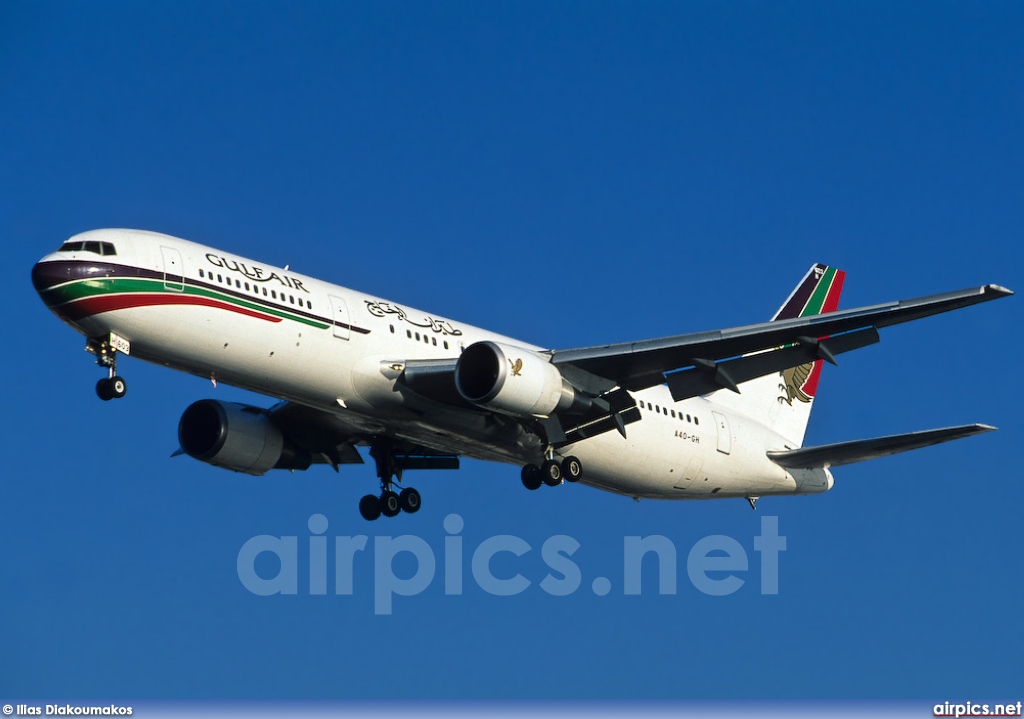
x: 707, y: 376
x: 831, y: 455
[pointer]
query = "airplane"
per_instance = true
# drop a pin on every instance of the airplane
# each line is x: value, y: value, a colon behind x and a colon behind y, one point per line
x: 708, y: 415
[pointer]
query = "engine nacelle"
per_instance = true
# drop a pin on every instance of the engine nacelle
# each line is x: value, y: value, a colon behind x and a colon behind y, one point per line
x: 514, y: 381
x: 237, y: 437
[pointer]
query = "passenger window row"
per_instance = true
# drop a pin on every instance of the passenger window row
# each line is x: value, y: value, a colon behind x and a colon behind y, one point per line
x: 255, y: 289
x: 658, y: 409
x: 427, y: 339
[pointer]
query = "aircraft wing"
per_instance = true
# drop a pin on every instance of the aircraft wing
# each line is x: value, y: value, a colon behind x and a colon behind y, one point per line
x: 831, y: 455
x: 638, y: 365
x: 329, y: 440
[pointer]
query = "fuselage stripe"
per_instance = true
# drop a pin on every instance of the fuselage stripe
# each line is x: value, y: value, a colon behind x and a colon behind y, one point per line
x: 95, y: 305
x: 155, y: 283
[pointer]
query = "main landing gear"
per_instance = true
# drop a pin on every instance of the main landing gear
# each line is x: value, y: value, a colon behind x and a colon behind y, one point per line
x: 551, y: 472
x: 111, y: 386
x: 390, y: 503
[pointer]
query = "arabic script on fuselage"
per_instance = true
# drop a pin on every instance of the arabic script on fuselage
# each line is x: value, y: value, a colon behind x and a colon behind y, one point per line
x: 383, y: 309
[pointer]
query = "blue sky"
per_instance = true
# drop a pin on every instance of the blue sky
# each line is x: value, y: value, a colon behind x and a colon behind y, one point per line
x: 566, y: 173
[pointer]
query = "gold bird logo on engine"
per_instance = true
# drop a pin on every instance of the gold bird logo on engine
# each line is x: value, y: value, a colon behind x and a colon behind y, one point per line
x: 516, y: 367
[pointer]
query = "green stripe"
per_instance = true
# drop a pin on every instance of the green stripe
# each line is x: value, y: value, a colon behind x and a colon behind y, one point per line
x: 117, y: 285
x: 820, y: 294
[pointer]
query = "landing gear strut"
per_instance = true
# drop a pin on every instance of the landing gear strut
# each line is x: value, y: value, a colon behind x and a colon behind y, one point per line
x: 390, y: 503
x: 551, y: 472
x: 111, y: 386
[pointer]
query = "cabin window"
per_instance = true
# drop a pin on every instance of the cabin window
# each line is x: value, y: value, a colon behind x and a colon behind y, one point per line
x: 273, y: 293
x: 434, y: 340
x: 264, y: 291
x: 291, y: 299
x: 220, y: 278
x: 408, y: 333
x: 238, y: 284
x: 446, y: 344
x: 246, y: 286
x: 696, y: 421
x: 392, y: 328
x: 201, y: 273
x: 309, y: 304
x: 673, y: 414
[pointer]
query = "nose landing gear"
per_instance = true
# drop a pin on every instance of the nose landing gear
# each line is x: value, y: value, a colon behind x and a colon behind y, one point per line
x: 105, y: 350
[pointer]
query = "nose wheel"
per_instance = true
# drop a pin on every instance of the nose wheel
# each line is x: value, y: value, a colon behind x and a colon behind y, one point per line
x: 113, y: 387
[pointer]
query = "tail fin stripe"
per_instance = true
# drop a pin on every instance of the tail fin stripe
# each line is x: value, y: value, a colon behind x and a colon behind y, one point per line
x: 821, y: 292
x: 832, y: 301
x: 797, y: 300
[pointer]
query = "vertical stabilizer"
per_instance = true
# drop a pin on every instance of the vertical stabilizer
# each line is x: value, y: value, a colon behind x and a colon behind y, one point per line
x: 783, y: 400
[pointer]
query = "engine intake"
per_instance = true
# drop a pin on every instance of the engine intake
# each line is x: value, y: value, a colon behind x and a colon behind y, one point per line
x: 514, y: 381
x: 237, y: 437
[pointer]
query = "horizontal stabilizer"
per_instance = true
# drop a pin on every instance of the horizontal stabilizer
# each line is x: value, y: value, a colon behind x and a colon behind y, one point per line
x: 831, y: 455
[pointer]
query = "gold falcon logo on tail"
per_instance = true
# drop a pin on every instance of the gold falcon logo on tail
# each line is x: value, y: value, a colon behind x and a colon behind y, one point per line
x: 795, y: 378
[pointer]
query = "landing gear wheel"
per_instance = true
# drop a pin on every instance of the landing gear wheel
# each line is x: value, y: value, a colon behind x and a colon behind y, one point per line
x: 111, y: 388
x: 104, y: 390
x: 551, y: 472
x: 572, y: 468
x: 531, y: 477
x: 118, y: 387
x: 369, y: 507
x: 409, y: 500
x: 390, y: 505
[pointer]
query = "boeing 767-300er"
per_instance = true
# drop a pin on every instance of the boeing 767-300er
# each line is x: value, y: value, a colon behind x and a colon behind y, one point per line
x: 696, y: 416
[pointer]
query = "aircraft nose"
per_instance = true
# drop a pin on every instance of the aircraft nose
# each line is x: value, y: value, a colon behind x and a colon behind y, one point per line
x: 46, y: 275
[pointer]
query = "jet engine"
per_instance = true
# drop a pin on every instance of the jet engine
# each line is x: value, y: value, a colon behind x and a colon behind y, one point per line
x: 515, y: 381
x: 237, y: 437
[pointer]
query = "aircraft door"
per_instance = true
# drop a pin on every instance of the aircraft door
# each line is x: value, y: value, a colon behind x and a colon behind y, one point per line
x: 173, y: 269
x: 339, y: 316
x: 724, y: 434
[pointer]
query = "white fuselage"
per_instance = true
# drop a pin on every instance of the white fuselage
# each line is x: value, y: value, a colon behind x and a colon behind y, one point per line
x: 300, y: 339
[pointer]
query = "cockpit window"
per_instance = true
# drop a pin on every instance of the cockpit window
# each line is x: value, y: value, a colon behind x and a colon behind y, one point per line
x: 99, y: 248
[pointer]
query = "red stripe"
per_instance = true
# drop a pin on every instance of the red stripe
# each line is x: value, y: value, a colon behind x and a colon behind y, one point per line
x: 831, y: 304
x: 832, y: 298
x: 108, y: 303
